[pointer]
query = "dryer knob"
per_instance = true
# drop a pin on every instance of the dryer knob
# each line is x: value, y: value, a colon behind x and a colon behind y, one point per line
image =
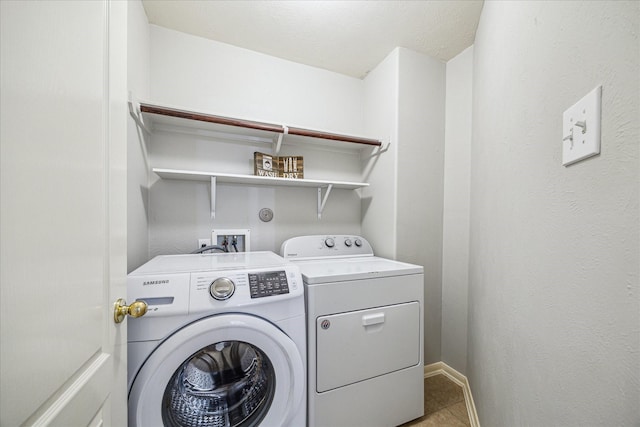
x: 358, y: 242
x: 329, y: 242
x: 348, y: 243
x: 222, y: 288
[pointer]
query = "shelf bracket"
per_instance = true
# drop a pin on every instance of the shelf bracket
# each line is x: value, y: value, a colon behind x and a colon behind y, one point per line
x: 278, y: 143
x: 213, y: 197
x: 322, y: 201
x: 381, y: 150
x: 134, y: 111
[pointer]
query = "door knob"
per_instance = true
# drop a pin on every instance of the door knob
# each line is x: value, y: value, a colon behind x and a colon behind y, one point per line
x: 121, y: 309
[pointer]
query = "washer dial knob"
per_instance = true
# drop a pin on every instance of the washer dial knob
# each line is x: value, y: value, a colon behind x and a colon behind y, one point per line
x: 329, y: 242
x: 358, y: 242
x: 347, y: 243
x: 222, y: 288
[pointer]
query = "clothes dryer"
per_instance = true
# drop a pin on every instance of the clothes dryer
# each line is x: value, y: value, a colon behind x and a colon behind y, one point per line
x: 364, y: 333
x: 222, y: 344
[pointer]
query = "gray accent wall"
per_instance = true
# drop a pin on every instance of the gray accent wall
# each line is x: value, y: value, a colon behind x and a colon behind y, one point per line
x: 554, y: 296
x: 402, y: 209
x: 455, y: 222
x: 421, y: 90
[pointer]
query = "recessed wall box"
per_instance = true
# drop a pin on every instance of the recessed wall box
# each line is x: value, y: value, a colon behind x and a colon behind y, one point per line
x: 233, y: 240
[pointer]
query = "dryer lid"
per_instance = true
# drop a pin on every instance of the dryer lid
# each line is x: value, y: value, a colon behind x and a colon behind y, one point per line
x: 343, y: 269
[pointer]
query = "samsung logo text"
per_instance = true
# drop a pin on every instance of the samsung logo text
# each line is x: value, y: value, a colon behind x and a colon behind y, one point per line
x: 155, y: 282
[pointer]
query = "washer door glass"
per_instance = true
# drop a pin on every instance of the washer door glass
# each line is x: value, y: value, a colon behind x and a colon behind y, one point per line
x: 224, y: 370
x: 230, y: 383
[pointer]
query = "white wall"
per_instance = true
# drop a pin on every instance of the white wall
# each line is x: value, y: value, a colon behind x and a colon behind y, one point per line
x: 203, y: 75
x: 379, y: 201
x: 214, y: 77
x: 554, y: 318
x: 420, y: 160
x: 455, y: 225
x: 137, y: 170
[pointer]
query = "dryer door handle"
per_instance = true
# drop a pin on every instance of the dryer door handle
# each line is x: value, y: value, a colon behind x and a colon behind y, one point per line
x: 372, y: 319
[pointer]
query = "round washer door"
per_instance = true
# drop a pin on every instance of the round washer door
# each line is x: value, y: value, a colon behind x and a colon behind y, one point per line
x: 180, y: 370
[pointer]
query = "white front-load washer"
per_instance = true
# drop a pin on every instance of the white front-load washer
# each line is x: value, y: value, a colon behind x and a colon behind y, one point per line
x: 364, y: 333
x: 222, y: 344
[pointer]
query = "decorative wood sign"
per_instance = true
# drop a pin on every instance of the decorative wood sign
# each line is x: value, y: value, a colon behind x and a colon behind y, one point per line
x: 278, y: 166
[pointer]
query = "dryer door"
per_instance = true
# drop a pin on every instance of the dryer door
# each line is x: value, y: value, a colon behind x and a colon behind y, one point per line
x: 227, y: 370
x: 364, y: 344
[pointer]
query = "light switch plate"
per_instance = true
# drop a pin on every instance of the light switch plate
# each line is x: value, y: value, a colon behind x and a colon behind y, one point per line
x: 581, y: 128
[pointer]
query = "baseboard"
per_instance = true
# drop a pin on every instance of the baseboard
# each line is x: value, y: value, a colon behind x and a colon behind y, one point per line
x: 455, y: 376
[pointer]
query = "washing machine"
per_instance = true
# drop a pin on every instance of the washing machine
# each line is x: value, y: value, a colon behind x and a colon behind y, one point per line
x: 223, y: 342
x: 364, y: 332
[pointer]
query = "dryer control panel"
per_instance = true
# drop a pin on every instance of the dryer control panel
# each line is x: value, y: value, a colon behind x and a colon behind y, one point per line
x: 330, y: 246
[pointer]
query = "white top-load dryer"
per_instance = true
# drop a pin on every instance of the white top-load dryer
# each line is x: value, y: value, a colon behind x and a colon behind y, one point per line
x: 222, y: 344
x: 364, y: 332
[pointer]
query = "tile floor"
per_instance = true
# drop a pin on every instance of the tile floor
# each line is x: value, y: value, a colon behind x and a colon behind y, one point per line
x: 444, y: 404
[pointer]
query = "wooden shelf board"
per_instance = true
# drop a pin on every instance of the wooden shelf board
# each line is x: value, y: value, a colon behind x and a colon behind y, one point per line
x: 179, y: 117
x: 253, y: 179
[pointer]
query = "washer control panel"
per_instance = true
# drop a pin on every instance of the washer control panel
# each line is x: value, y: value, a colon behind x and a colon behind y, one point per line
x: 243, y: 288
x: 268, y: 283
x: 193, y: 292
x: 339, y: 245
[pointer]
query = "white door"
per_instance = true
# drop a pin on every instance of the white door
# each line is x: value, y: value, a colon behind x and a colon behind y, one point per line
x: 63, y: 212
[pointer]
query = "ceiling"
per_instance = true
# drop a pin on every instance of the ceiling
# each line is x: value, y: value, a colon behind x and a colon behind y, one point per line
x: 347, y: 37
